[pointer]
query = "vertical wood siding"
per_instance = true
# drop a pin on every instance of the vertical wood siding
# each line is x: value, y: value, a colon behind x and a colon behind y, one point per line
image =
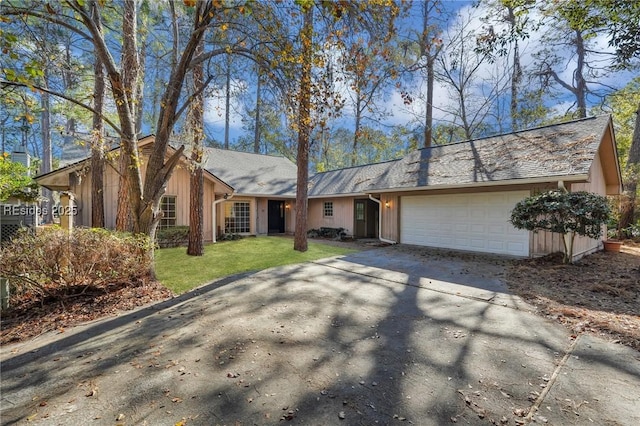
x: 342, y: 214
x: 597, y: 185
x: 546, y: 242
x: 389, y: 216
x: 177, y: 186
x: 262, y: 219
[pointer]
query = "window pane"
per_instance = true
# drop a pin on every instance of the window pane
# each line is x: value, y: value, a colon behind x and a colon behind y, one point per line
x: 359, y: 211
x: 237, y: 218
x: 168, y: 209
x: 328, y: 209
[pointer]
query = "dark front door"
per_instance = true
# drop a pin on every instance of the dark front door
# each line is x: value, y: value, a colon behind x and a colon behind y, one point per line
x: 365, y: 218
x: 276, y: 216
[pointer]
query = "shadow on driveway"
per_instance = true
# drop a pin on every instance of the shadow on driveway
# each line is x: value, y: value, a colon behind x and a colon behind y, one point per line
x: 339, y: 340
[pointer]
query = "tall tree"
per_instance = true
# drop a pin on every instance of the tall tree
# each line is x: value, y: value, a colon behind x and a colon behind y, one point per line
x: 256, y: 131
x: 574, y: 25
x: 304, y: 130
x: 507, y: 23
x: 460, y: 68
x: 369, y: 70
x: 430, y: 48
x: 196, y: 181
x: 622, y: 26
x: 97, y: 148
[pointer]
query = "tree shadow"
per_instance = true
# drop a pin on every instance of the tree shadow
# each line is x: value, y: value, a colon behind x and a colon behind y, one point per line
x: 305, y: 344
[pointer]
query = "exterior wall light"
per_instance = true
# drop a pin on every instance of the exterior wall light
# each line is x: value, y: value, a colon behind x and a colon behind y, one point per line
x: 387, y: 204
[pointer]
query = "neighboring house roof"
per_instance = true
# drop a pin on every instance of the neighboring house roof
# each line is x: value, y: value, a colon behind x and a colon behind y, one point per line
x: 253, y: 174
x: 562, y: 151
x: 74, y: 152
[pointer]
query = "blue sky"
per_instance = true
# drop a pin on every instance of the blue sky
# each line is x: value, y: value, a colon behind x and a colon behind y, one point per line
x: 399, y: 113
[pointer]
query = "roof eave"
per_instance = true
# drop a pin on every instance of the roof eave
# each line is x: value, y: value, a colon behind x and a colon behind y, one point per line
x: 238, y: 194
x: 524, y: 181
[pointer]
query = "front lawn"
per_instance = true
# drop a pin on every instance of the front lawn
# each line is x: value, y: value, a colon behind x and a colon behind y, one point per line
x: 181, y: 273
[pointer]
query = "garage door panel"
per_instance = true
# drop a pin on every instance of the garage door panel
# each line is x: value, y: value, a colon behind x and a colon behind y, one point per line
x: 478, y: 222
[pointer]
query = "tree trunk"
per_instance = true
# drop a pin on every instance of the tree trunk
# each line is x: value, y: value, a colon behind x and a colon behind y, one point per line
x: 426, y: 45
x: 140, y: 88
x: 159, y: 168
x: 123, y: 210
x: 124, y: 89
x: 356, y: 132
x: 45, y: 127
x: 227, y: 103
x: 97, y: 149
x: 581, y: 84
x: 256, y: 130
x: 516, y: 74
x: 428, y: 119
x: 304, y: 132
x: 144, y: 200
x: 196, y: 180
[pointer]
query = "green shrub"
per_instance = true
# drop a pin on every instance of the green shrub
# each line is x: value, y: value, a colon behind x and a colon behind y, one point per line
x: 174, y: 236
x: 567, y: 213
x: 52, y: 261
x: 230, y: 237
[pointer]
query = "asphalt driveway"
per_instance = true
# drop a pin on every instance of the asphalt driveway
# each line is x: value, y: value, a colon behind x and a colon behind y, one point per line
x: 384, y: 336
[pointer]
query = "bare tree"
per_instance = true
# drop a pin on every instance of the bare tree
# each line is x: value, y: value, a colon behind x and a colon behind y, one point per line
x: 465, y: 73
x: 572, y: 26
x: 430, y: 48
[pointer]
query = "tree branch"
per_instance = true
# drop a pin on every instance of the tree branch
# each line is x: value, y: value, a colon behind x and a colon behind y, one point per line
x: 6, y: 83
x: 192, y: 97
x: 48, y: 18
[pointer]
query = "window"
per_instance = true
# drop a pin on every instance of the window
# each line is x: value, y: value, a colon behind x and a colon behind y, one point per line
x: 237, y: 217
x: 327, y: 210
x: 168, y: 209
x: 359, y: 210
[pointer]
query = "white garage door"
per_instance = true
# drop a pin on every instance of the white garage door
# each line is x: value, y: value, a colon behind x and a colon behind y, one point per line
x: 474, y: 222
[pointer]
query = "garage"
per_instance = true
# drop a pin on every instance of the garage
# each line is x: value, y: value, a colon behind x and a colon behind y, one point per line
x: 473, y: 222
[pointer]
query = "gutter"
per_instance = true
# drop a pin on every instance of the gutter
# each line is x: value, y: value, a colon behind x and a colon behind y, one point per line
x: 384, y: 240
x: 524, y: 181
x: 213, y: 213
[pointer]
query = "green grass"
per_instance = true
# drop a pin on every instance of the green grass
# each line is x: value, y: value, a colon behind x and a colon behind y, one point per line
x: 181, y: 273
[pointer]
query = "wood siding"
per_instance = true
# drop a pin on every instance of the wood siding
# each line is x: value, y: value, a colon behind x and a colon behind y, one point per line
x: 545, y: 242
x: 389, y: 216
x: 177, y: 186
x: 342, y: 214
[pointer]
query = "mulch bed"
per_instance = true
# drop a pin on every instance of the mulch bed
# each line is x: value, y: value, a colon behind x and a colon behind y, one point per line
x: 599, y: 294
x: 30, y: 316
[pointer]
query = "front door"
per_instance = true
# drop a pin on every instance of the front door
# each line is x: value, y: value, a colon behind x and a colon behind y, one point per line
x: 360, y: 219
x: 276, y: 216
x: 365, y: 218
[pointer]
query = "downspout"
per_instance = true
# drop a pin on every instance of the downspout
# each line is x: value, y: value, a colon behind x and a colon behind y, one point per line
x: 213, y: 213
x: 384, y: 240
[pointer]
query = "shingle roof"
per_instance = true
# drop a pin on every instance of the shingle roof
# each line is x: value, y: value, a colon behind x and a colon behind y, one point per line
x: 559, y: 150
x: 351, y: 180
x: 252, y: 174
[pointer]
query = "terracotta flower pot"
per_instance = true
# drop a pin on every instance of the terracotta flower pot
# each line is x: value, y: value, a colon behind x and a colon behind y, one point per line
x: 612, y: 245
